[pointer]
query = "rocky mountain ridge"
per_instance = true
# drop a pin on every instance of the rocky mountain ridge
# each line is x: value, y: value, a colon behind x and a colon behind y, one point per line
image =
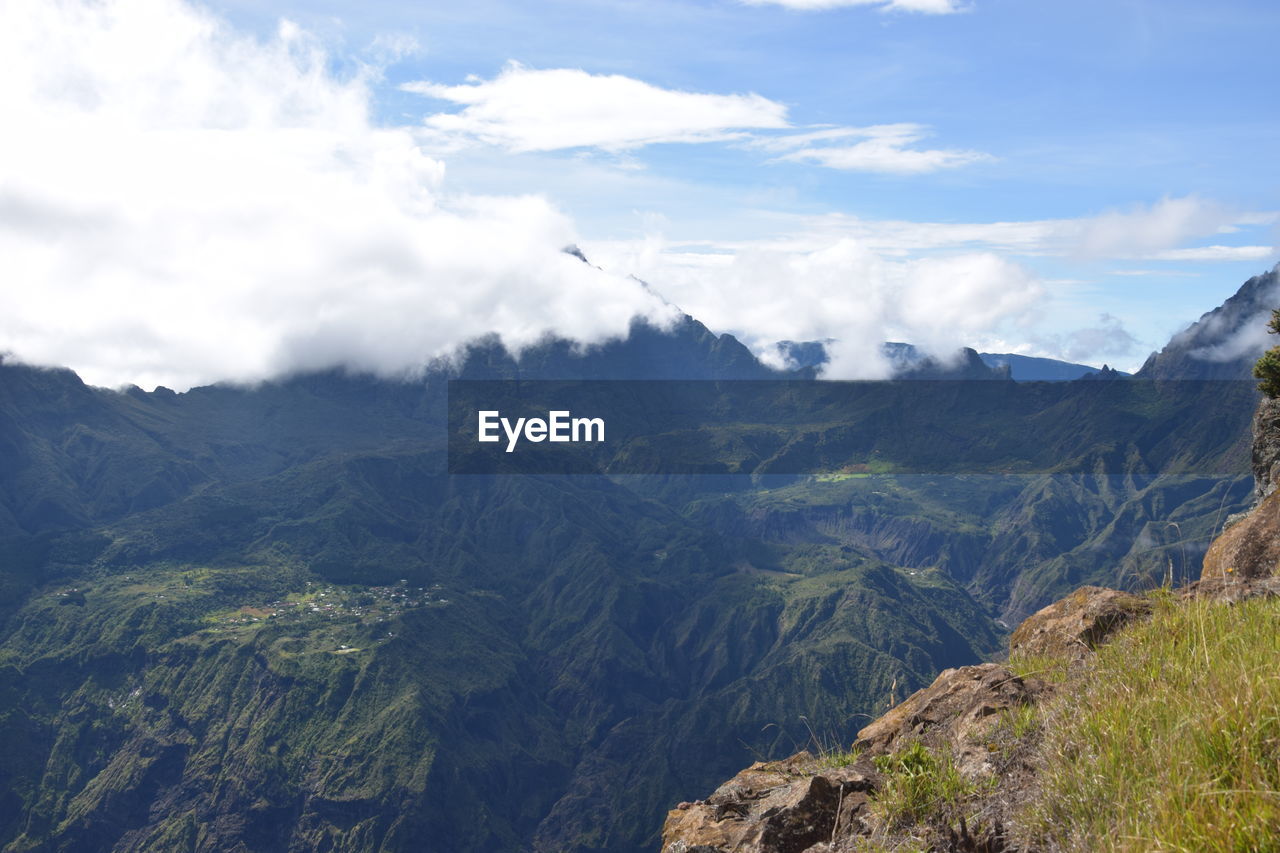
x: 1225, y: 342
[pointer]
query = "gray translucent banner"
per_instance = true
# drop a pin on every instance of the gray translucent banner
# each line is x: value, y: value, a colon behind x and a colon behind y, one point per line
x: 1133, y: 427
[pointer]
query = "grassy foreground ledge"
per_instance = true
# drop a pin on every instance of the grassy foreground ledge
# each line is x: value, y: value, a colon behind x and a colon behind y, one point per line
x: 1168, y: 738
x: 1120, y: 722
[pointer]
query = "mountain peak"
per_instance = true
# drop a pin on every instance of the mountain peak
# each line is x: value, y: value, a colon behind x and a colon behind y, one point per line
x: 1225, y: 342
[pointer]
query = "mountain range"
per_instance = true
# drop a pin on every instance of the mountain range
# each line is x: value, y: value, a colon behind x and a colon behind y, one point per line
x: 266, y: 619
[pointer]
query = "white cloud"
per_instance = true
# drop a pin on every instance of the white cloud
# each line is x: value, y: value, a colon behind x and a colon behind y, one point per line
x: 933, y: 7
x: 526, y: 109
x: 1216, y: 253
x: 181, y: 204
x: 844, y: 291
x: 1144, y: 232
x: 1147, y: 229
x: 883, y: 148
x: 1107, y: 339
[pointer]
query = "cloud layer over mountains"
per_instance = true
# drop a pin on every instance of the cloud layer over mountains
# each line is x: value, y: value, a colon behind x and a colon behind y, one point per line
x: 182, y: 204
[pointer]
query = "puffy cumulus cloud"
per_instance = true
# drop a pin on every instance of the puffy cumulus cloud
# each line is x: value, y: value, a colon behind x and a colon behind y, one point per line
x: 932, y: 7
x: 527, y: 109
x: 181, y: 204
x: 845, y: 292
x: 879, y: 148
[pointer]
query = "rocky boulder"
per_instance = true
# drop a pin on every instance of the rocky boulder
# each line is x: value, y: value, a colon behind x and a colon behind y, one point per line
x: 956, y: 712
x: 1250, y: 548
x: 806, y: 805
x: 1230, y: 590
x: 1075, y: 625
x: 786, y: 806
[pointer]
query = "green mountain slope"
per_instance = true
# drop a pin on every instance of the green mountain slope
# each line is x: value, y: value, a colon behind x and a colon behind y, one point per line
x: 264, y: 619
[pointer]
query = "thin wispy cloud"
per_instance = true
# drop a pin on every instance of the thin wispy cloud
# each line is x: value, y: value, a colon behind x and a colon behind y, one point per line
x: 884, y: 148
x: 1161, y: 230
x: 930, y: 7
x: 1107, y: 339
x: 1216, y: 253
x: 527, y: 109
x: 532, y: 110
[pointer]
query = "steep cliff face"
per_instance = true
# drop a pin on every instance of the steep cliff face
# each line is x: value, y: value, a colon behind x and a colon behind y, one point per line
x: 1249, y: 547
x: 1266, y: 448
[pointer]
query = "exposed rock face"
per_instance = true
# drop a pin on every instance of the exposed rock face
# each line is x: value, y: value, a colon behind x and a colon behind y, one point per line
x: 1229, y: 590
x: 780, y: 806
x: 1266, y: 448
x: 1076, y: 624
x: 956, y: 712
x: 1250, y: 548
x: 806, y: 805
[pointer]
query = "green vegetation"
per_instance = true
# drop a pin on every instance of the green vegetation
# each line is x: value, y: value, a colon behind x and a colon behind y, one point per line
x: 527, y: 631
x: 1268, y: 367
x: 920, y: 784
x: 1171, y: 738
x: 255, y: 618
x: 1045, y: 667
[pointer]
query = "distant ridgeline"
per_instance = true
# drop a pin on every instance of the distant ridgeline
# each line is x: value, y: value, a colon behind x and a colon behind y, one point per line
x: 268, y: 619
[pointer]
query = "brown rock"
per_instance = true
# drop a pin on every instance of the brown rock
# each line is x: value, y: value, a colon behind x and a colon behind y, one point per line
x: 1266, y: 448
x: 957, y: 712
x: 1250, y: 548
x: 1229, y: 590
x: 1075, y: 625
x: 771, y: 807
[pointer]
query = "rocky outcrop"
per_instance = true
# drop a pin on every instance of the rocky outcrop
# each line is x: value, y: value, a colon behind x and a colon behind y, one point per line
x: 955, y: 713
x: 1075, y: 625
x: 811, y: 804
x: 782, y: 806
x: 1230, y: 590
x: 1266, y: 448
x: 1250, y: 548
x: 808, y: 804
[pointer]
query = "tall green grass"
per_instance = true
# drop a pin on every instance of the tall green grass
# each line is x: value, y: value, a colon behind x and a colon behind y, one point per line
x: 1171, y: 739
x: 920, y: 784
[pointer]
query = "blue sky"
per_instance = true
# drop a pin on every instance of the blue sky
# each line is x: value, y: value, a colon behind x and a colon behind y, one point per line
x: 1083, y: 108
x: 1075, y: 179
